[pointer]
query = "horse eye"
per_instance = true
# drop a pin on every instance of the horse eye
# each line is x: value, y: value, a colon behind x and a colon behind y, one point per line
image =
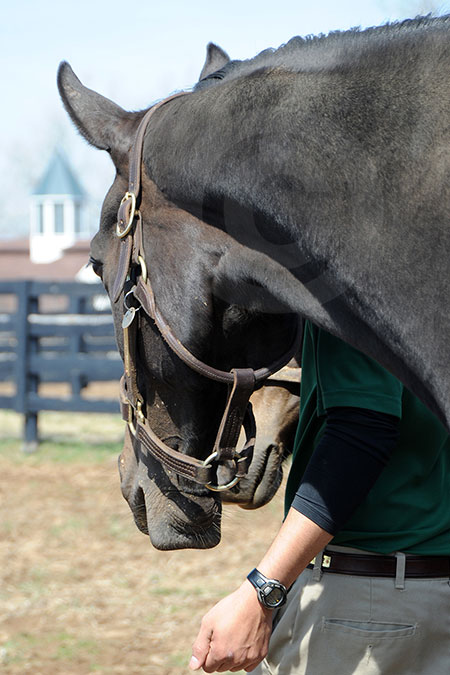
x: 97, y: 266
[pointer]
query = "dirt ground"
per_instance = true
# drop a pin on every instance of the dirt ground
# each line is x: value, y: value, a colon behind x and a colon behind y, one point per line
x: 81, y: 590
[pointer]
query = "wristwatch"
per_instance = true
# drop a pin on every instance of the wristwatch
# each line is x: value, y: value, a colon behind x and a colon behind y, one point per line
x: 271, y: 592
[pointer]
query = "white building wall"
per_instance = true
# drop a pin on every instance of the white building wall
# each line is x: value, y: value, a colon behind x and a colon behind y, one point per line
x: 48, y: 245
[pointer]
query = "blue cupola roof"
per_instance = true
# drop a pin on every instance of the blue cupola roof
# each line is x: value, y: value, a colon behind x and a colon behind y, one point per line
x: 59, y: 179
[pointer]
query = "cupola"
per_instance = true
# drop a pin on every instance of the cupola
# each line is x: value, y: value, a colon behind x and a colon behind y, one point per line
x: 58, y: 217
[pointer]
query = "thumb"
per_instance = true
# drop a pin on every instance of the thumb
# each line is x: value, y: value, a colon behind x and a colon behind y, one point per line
x: 194, y: 663
x: 200, y: 648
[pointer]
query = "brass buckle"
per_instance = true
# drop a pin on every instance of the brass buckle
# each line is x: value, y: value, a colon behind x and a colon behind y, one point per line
x: 219, y: 488
x: 137, y: 414
x: 123, y: 233
x: 130, y: 421
x: 143, y: 264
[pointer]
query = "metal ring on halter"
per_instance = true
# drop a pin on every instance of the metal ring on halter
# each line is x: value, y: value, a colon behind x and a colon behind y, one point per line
x: 123, y: 233
x: 219, y: 488
x: 136, y: 309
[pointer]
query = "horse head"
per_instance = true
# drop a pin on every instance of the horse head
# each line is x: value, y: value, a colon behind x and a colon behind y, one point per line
x: 218, y: 298
x: 309, y: 181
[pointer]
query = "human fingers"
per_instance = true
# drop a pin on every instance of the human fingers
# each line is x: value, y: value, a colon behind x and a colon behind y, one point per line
x: 248, y: 667
x: 219, y: 664
x: 201, y: 646
x: 215, y: 663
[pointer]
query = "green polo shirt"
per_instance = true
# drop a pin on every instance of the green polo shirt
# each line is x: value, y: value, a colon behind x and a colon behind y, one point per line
x: 408, y: 509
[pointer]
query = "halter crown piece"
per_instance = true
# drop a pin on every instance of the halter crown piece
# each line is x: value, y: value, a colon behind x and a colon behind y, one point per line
x: 241, y: 381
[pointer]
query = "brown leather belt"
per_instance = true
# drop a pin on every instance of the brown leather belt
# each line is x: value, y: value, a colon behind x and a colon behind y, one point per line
x: 364, y: 565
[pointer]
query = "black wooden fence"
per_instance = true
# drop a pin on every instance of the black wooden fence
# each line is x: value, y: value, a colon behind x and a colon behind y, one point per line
x: 54, y: 333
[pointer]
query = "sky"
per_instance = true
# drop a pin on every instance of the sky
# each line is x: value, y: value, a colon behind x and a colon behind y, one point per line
x: 134, y: 53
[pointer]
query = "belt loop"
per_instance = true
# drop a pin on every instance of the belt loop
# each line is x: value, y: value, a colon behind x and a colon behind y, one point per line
x: 317, y: 569
x: 400, y: 569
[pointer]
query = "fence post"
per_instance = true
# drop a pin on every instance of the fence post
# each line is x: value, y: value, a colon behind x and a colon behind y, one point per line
x: 77, y: 305
x: 25, y: 382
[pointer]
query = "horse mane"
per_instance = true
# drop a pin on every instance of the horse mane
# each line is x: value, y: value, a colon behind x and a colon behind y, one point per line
x: 357, y: 33
x: 317, y: 52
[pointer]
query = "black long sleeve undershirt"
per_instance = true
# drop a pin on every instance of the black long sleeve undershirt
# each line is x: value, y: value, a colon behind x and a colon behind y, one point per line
x: 355, y: 447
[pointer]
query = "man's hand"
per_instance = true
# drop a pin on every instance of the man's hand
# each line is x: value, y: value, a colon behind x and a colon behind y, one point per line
x: 234, y: 634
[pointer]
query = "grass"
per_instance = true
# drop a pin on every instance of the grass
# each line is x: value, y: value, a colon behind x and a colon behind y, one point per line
x: 61, y: 646
x: 64, y: 437
x: 82, y: 591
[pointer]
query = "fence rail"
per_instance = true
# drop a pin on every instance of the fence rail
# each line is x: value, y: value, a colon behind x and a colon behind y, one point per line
x: 55, y: 332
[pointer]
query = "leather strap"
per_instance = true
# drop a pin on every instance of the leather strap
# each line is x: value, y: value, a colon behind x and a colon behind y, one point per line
x: 129, y: 353
x: 127, y: 209
x: 123, y: 266
x: 134, y: 176
x: 238, y: 411
x: 186, y: 466
x: 181, y: 464
x: 233, y: 417
x: 144, y: 294
x: 366, y: 565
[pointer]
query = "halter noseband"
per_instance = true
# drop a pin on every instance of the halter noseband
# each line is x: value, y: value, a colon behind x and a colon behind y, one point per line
x: 241, y: 381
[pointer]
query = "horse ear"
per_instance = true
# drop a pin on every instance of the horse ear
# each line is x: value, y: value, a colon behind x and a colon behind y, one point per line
x: 101, y: 122
x: 216, y: 58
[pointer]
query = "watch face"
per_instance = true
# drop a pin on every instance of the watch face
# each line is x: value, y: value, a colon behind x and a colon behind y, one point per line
x: 272, y: 596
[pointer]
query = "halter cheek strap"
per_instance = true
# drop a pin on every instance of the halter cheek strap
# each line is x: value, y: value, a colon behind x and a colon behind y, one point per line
x: 140, y: 298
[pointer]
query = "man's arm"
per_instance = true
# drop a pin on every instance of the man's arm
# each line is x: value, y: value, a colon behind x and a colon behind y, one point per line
x: 355, y: 447
x: 234, y: 634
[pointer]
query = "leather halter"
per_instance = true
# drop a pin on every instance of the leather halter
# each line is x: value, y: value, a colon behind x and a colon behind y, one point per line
x: 241, y: 381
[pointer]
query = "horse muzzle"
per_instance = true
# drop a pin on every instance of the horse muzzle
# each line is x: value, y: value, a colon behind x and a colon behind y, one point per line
x: 174, y: 517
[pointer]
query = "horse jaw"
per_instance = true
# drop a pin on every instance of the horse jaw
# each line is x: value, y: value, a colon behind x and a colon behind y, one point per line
x: 171, y: 518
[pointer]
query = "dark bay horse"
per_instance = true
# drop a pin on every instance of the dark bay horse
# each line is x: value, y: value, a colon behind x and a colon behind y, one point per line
x: 312, y: 180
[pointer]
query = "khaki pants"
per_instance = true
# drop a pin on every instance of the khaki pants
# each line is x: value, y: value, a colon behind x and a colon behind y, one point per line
x: 334, y: 624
